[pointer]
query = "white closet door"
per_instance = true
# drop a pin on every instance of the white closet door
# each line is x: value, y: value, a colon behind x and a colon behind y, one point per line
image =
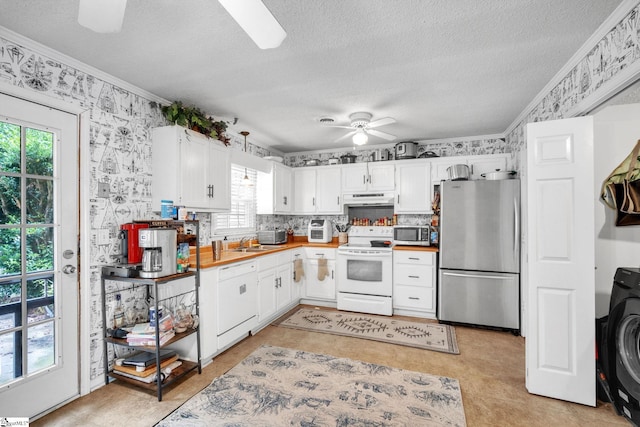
x: 560, y: 344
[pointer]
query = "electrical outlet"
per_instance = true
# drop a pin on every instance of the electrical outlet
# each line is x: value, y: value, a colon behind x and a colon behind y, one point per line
x: 103, y: 236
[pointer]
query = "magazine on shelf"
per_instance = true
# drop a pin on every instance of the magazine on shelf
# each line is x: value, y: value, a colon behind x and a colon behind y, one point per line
x: 150, y: 340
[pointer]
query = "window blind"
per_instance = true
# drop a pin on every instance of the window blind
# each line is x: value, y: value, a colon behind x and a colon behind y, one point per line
x: 241, y: 219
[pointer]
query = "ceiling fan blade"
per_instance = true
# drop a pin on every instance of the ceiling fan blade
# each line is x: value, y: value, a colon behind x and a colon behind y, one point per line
x: 382, y: 135
x: 381, y: 122
x: 345, y: 136
x: 256, y: 20
x: 102, y: 16
x: 337, y: 126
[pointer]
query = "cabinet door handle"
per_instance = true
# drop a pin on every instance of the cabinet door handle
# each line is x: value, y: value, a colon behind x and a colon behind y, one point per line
x: 415, y: 298
x: 414, y: 277
x: 398, y: 202
x: 338, y: 200
x: 364, y: 179
x: 331, y: 274
x: 414, y: 259
x: 284, y: 200
x: 314, y: 201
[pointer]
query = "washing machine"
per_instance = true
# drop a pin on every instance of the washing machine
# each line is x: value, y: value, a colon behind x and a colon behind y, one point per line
x: 622, y: 355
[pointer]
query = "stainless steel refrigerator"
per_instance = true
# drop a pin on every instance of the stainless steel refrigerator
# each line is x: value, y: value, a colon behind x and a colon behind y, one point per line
x: 479, y: 277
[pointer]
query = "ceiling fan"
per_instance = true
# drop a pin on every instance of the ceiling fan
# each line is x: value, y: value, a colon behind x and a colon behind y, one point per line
x: 106, y: 16
x: 362, y: 126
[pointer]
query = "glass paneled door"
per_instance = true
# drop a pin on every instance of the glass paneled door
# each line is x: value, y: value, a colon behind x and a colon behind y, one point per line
x: 38, y: 257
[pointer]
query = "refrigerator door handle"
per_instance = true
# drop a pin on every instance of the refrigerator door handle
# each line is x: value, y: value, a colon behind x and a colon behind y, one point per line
x: 477, y: 276
x: 516, y: 226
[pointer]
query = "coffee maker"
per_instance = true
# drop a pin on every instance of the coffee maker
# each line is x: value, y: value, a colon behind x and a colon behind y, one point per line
x: 160, y: 252
x: 129, y: 247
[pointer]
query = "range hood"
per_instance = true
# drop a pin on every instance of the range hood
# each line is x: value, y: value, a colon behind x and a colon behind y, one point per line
x: 368, y: 199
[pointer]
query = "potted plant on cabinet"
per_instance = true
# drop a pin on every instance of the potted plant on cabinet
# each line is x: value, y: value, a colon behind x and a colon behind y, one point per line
x: 195, y: 119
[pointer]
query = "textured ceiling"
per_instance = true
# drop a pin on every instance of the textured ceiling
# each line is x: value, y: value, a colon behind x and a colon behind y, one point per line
x: 441, y: 68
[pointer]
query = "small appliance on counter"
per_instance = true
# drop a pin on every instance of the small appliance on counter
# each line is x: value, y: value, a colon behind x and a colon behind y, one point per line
x: 272, y: 237
x: 129, y: 247
x: 412, y: 235
x: 319, y: 231
x: 160, y: 252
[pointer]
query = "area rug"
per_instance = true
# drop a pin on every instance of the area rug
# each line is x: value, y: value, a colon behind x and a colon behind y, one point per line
x: 277, y: 386
x: 430, y: 336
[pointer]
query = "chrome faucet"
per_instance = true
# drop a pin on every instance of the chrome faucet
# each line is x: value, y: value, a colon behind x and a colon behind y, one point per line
x: 243, y: 241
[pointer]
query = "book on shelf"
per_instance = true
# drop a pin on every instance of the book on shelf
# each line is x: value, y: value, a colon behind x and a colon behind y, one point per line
x: 152, y: 378
x: 141, y: 371
x: 147, y: 358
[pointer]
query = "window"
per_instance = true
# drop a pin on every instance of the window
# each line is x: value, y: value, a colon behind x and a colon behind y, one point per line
x: 242, y: 217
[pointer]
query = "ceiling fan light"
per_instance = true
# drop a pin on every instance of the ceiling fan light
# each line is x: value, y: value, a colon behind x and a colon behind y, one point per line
x: 256, y: 20
x: 360, y: 138
x: 102, y: 16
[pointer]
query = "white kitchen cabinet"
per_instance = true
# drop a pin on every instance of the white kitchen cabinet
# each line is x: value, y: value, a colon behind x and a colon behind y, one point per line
x: 274, y: 285
x: 413, y: 187
x: 208, y: 319
x: 297, y: 281
x: 363, y: 177
x: 192, y: 170
x: 274, y: 191
x: 486, y: 164
x: 414, y: 283
x: 317, y: 190
x: 315, y: 288
x: 439, y: 167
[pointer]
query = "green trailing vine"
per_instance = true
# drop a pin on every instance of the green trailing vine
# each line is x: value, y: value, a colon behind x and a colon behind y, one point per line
x: 195, y: 119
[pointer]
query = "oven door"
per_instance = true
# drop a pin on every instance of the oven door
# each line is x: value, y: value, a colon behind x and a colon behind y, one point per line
x: 365, y: 272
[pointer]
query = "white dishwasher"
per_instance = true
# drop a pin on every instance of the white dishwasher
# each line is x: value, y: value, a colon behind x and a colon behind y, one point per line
x: 237, y: 301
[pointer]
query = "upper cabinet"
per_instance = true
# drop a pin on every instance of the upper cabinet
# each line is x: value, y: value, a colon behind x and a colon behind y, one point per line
x: 192, y: 170
x: 413, y: 187
x: 376, y: 176
x: 275, y: 190
x: 317, y: 190
x: 485, y: 164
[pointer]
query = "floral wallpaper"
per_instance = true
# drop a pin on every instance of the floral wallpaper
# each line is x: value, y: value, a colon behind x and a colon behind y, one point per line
x: 120, y: 149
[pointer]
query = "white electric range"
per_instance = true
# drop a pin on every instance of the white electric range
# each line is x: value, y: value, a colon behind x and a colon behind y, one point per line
x: 364, y: 272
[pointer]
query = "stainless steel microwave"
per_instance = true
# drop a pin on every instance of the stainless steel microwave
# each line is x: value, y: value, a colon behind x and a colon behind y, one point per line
x: 414, y: 235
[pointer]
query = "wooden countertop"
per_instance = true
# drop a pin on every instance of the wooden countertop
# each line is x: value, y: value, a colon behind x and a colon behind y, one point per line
x: 230, y: 256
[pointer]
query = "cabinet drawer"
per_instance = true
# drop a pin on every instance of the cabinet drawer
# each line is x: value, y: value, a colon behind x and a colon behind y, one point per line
x: 413, y: 297
x: 416, y: 275
x: 414, y: 257
x: 266, y: 262
x: 315, y: 253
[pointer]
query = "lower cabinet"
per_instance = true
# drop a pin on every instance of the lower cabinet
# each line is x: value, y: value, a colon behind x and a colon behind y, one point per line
x: 274, y: 285
x: 208, y: 317
x: 320, y: 282
x: 414, y: 283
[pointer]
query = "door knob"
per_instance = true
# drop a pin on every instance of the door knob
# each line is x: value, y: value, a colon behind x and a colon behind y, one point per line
x: 69, y: 269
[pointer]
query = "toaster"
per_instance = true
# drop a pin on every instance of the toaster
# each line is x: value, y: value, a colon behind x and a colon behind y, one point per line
x: 272, y: 237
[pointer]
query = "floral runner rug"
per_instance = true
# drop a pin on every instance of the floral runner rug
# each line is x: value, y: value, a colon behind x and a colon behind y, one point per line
x: 277, y: 386
x: 430, y: 336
